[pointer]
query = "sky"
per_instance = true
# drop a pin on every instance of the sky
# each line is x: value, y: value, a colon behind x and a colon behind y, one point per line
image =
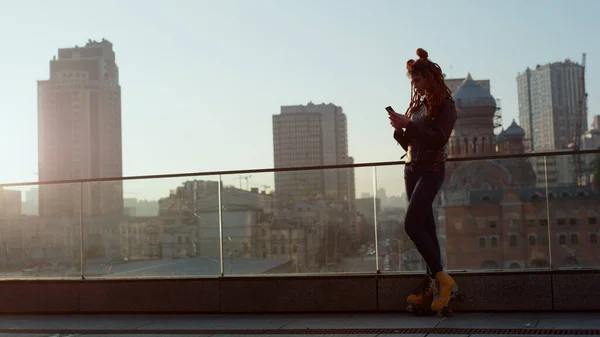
x: 201, y: 79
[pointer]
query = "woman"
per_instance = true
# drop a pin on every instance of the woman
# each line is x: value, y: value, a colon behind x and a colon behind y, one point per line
x: 423, y: 132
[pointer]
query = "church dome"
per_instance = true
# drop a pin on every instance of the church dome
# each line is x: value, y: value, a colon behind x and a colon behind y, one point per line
x: 514, y: 132
x: 470, y: 94
x: 501, y: 136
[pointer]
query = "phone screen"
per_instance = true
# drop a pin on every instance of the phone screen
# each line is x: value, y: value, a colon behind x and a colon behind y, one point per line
x: 390, y: 110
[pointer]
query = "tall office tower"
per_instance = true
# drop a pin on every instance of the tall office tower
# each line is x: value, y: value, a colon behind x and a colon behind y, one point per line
x: 79, y: 132
x: 312, y: 135
x: 549, y: 104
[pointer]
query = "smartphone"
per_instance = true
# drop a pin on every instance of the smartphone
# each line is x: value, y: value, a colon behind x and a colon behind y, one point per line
x: 390, y: 110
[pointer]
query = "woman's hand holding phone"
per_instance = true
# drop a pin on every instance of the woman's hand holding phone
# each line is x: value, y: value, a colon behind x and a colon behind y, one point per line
x: 397, y: 120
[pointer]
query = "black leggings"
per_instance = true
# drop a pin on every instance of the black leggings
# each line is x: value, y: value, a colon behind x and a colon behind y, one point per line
x: 423, y: 181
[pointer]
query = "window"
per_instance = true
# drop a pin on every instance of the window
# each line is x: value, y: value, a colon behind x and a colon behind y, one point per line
x: 513, y: 240
x: 482, y: 243
x: 573, y: 221
x: 514, y: 223
x: 561, y: 222
x: 544, y: 222
x: 492, y: 224
x: 592, y: 221
x: 574, y: 239
x: 494, y: 242
x: 532, y: 240
x: 562, y: 239
x: 593, y: 239
x: 483, y: 145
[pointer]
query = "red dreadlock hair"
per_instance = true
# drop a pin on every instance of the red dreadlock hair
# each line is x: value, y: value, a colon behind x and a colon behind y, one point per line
x: 437, y: 91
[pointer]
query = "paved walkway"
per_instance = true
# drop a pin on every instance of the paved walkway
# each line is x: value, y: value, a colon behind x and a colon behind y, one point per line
x: 392, y: 324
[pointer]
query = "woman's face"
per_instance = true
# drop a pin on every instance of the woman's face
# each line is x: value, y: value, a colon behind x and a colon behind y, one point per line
x: 419, y: 82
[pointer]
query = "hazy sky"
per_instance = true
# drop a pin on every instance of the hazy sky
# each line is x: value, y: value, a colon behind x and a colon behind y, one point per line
x: 201, y: 79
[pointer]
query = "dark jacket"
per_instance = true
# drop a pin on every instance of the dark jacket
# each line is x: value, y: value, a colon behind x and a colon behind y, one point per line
x: 425, y: 139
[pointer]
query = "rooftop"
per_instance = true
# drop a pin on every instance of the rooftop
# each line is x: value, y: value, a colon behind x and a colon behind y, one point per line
x: 471, y: 94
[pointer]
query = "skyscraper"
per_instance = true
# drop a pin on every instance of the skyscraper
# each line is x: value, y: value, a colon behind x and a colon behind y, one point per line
x: 312, y: 135
x: 549, y: 104
x: 79, y: 132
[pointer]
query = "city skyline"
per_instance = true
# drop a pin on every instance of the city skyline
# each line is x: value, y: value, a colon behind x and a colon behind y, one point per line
x: 153, y: 144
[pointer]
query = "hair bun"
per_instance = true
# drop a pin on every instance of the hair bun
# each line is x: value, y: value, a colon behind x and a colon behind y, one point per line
x: 422, y: 54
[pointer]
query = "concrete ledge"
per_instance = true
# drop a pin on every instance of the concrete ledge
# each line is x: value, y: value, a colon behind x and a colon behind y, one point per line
x: 392, y: 290
x: 500, y: 291
x: 149, y: 296
x: 576, y: 290
x: 38, y: 297
x: 520, y: 291
x: 299, y: 294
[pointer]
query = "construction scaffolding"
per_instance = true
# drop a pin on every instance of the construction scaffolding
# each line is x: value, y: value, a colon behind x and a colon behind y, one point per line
x: 576, y: 133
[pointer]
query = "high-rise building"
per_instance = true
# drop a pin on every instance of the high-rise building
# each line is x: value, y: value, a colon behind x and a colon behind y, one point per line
x: 549, y: 104
x: 312, y: 135
x: 79, y: 132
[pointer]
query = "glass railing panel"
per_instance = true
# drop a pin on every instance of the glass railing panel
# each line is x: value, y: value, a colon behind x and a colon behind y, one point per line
x: 526, y: 213
x: 490, y: 213
x: 574, y: 202
x: 152, y: 228
x: 297, y: 222
x: 487, y: 217
x: 395, y: 249
x: 40, y: 231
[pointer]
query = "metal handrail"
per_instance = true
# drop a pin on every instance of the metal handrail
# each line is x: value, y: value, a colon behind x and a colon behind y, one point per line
x: 302, y: 168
